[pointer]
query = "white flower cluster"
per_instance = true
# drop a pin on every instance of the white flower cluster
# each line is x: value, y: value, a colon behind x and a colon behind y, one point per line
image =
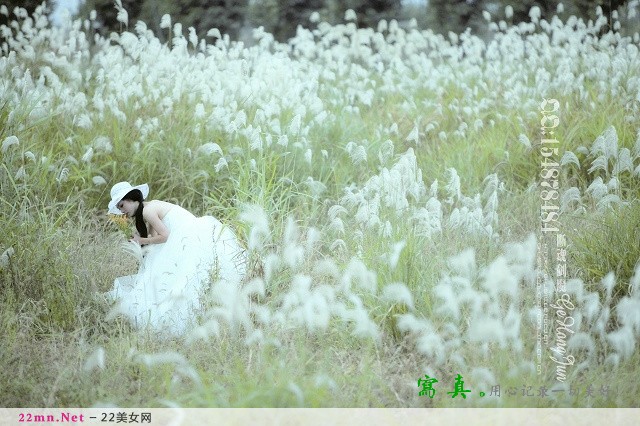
x: 297, y: 86
x: 317, y: 290
x: 400, y: 193
x: 476, y: 306
x: 279, y: 97
x: 610, y: 166
x: 596, y: 330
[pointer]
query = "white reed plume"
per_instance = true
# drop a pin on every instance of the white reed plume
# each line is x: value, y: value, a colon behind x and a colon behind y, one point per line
x: 363, y: 325
x: 5, y: 258
x: 570, y: 199
x: 9, y: 141
x: 102, y: 144
x: 88, y: 155
x: 449, y: 303
x: 122, y: 16
x: 133, y: 249
x: 193, y: 37
x: 306, y: 306
x: 581, y: 341
x: 613, y: 360
x: 429, y: 218
x: 393, y: 257
x: 316, y: 187
x: 597, y: 189
x: 590, y: 306
x: 220, y: 164
x: 428, y: 341
x: 63, y: 176
x: 232, y: 303
x: 398, y: 293
x: 487, y: 329
x: 624, y: 163
x: 628, y: 313
x: 414, y: 135
x: 358, y: 153
x: 453, y: 186
x: 292, y: 253
x: 464, y: 264
x: 259, y: 233
x: 385, y: 153
x: 182, y: 367
x: 357, y: 271
x: 623, y: 341
x: 95, y: 361
x: 599, y: 163
x: 508, y: 11
x: 165, y: 21
x: 498, y: 279
x: 153, y: 359
x: 535, y: 13
x: 21, y: 174
x: 569, y: 158
x: 608, y: 282
x: 294, y: 126
x: 210, y: 148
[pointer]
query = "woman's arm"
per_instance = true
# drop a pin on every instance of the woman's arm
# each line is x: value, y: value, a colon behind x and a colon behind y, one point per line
x: 160, y: 234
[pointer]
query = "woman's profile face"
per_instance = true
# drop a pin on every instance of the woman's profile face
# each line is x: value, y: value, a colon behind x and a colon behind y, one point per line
x: 128, y: 207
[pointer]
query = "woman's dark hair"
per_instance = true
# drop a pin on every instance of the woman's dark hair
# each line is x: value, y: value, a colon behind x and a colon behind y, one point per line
x: 136, y: 195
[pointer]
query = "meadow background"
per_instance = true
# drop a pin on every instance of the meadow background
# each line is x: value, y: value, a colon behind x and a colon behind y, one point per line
x: 387, y: 182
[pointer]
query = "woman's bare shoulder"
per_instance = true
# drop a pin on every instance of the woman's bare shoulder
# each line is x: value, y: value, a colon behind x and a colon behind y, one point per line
x: 158, y: 207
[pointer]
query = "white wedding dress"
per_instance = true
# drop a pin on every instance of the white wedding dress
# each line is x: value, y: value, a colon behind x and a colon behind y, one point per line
x: 166, y: 291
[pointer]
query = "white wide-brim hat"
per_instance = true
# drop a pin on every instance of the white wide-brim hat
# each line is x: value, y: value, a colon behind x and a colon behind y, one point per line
x: 120, y: 189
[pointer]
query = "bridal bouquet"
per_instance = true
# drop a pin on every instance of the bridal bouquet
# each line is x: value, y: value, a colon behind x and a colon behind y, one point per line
x: 122, y: 224
x: 128, y: 246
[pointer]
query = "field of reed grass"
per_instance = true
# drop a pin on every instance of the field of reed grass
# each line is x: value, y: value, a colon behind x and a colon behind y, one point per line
x: 416, y: 207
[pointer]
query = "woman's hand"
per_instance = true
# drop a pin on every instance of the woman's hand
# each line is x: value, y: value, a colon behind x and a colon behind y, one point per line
x: 136, y: 238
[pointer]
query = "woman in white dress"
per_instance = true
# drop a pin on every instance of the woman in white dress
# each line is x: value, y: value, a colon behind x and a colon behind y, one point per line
x: 183, y: 254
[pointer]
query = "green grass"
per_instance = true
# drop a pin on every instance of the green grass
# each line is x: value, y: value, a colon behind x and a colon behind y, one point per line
x: 592, y: 259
